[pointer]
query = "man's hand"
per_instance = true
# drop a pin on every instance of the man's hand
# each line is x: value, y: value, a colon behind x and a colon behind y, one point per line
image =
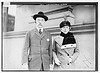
x: 57, y: 61
x: 25, y: 66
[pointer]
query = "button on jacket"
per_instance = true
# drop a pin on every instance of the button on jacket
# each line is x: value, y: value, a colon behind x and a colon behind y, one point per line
x: 40, y: 50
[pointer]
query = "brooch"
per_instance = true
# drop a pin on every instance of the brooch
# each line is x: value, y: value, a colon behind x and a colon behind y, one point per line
x: 48, y: 40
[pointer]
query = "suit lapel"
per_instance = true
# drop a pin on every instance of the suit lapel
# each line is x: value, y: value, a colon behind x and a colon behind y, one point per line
x: 42, y: 35
x: 37, y: 33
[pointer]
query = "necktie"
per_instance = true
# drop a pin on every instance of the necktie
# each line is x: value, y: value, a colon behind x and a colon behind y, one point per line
x: 40, y: 31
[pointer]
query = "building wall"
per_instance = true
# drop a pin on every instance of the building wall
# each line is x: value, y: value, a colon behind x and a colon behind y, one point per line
x: 12, y: 53
x: 80, y: 15
x: 24, y: 20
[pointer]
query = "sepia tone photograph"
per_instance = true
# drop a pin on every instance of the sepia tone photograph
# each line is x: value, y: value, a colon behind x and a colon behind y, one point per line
x: 49, y: 36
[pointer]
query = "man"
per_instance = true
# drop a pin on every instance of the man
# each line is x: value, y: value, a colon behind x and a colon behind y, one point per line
x: 39, y: 44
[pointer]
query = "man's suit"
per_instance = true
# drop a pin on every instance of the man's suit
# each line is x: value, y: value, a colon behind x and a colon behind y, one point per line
x: 40, y: 50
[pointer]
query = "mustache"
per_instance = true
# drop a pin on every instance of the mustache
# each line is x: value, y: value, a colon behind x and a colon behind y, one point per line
x: 40, y: 24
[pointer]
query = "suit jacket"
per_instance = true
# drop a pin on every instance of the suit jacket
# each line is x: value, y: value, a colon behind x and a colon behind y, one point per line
x: 62, y: 54
x: 40, y: 50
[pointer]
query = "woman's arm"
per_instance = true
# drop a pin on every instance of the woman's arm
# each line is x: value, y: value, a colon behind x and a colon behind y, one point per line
x: 75, y: 54
x: 56, y: 59
x: 55, y: 53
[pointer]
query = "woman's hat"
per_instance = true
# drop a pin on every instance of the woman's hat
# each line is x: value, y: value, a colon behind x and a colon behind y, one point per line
x: 65, y: 23
x: 40, y: 14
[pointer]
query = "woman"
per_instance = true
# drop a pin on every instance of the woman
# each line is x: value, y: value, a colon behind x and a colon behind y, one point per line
x: 64, y: 48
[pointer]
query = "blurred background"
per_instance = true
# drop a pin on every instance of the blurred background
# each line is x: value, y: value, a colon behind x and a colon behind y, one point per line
x: 17, y: 20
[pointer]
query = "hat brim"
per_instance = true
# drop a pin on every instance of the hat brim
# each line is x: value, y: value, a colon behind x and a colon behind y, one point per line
x: 43, y: 16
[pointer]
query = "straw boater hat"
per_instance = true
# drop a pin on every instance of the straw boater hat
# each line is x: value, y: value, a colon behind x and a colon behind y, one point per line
x: 40, y: 14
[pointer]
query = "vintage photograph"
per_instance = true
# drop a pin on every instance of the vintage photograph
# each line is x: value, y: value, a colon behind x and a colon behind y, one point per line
x: 49, y: 36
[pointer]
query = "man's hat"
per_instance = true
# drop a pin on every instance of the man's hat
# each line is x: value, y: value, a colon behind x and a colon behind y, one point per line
x: 40, y: 14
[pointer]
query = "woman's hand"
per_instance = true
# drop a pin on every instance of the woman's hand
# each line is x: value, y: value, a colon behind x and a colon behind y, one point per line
x: 51, y: 66
x: 57, y: 61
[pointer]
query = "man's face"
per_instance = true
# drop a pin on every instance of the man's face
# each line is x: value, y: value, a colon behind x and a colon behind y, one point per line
x: 40, y: 21
x: 65, y: 29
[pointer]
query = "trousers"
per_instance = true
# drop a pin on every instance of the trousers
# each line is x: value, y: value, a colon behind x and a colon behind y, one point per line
x: 42, y: 68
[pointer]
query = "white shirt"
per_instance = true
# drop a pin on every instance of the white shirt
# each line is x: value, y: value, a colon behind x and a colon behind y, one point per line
x: 39, y: 29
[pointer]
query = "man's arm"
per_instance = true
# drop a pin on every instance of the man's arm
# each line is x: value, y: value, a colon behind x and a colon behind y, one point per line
x: 25, y: 50
x: 50, y: 49
x: 50, y: 52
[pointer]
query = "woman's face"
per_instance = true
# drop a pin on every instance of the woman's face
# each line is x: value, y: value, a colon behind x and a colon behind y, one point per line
x: 40, y: 22
x: 65, y: 29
